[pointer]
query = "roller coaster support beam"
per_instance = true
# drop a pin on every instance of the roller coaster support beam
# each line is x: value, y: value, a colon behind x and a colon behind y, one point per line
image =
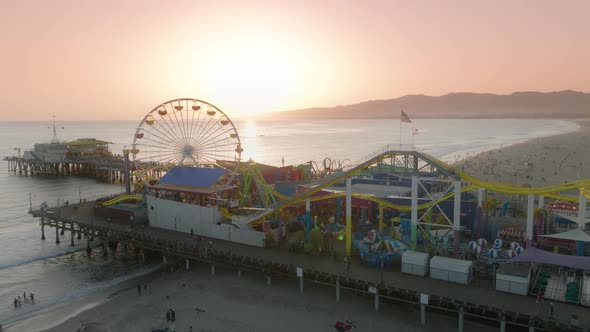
x: 529, y: 219
x: 307, y: 219
x: 581, y: 222
x: 381, y: 225
x: 457, y: 217
x: 348, y: 227
x: 414, y: 213
x: 477, y: 229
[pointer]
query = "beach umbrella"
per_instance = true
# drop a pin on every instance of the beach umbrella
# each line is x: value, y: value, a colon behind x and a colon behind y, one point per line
x: 482, y: 242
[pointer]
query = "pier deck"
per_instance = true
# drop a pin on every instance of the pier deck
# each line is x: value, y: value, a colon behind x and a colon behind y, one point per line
x: 478, y: 300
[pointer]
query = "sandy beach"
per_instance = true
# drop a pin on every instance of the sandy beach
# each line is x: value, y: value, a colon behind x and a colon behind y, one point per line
x: 224, y: 302
x: 538, y: 162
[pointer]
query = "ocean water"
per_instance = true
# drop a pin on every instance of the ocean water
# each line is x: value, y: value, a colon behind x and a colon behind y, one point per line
x: 57, y: 273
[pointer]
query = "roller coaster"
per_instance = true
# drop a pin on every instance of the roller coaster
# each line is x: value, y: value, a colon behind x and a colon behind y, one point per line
x: 409, y: 163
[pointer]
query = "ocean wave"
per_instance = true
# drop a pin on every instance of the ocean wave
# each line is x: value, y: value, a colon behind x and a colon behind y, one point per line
x: 42, y: 306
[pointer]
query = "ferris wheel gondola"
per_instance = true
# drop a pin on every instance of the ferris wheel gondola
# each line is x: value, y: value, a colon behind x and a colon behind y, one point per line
x: 185, y: 132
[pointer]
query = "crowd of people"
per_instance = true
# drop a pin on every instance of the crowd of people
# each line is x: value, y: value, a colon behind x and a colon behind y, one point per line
x: 18, y: 301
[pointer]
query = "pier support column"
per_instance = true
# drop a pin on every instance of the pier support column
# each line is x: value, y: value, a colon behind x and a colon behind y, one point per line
x: 529, y: 219
x: 532, y: 325
x: 503, y: 324
x: 79, y: 232
x: 212, y: 269
x: 300, y: 285
x: 72, y: 237
x: 63, y: 227
x: 268, y: 279
x: 423, y: 314
x: 56, y: 233
x: 348, y: 227
x: 461, y: 314
x: 414, y: 212
x: 88, y: 250
x: 188, y: 266
x: 456, y: 217
x: 141, y: 256
x: 376, y: 295
x: 239, y: 273
x: 42, y: 228
x: 337, y: 290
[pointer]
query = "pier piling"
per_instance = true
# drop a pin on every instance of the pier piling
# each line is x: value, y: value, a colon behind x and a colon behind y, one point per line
x: 376, y: 300
x: 56, y: 233
x: 301, y: 285
x: 72, y: 237
x: 461, y: 314
x: 188, y: 266
x: 503, y: 324
x: 337, y: 290
x: 42, y: 228
x: 423, y: 314
x: 268, y: 279
x: 239, y: 273
x: 212, y: 269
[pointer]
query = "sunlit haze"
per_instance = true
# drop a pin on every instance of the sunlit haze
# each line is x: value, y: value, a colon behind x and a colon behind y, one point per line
x: 103, y: 60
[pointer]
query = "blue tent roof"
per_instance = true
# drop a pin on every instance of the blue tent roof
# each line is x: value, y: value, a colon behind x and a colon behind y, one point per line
x: 192, y: 176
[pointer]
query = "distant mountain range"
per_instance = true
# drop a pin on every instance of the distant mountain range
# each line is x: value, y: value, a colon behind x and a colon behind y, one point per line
x: 561, y: 104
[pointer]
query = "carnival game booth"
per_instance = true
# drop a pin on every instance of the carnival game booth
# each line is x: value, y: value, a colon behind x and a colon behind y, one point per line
x: 193, y: 200
x: 559, y: 277
x: 514, y: 278
x: 414, y: 262
x: 451, y: 269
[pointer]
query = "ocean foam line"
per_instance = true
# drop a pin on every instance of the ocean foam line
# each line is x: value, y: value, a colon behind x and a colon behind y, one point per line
x: 59, y: 254
x: 30, y: 311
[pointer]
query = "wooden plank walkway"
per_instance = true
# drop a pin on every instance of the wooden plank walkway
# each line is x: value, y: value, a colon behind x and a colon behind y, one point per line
x: 478, y: 299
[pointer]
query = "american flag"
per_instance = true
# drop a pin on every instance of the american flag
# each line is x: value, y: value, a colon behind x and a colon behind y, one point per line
x: 405, y: 118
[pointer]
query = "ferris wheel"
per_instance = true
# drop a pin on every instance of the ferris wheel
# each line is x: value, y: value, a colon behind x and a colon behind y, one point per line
x: 186, y: 132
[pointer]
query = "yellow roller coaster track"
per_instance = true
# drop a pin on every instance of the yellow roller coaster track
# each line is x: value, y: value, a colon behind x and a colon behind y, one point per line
x: 552, y: 191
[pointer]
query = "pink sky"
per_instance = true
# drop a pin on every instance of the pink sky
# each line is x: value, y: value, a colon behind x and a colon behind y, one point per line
x: 119, y: 59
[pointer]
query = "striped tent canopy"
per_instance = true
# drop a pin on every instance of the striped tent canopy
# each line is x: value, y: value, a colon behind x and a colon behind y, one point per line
x: 510, y: 232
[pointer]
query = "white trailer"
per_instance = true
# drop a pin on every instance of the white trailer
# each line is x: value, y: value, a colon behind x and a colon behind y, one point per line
x: 450, y: 269
x: 414, y: 262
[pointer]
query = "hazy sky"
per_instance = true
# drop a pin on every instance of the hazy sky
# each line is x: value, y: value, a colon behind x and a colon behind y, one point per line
x: 119, y: 59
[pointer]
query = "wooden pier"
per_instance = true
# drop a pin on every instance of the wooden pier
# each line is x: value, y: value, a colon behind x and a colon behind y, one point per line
x: 478, y: 301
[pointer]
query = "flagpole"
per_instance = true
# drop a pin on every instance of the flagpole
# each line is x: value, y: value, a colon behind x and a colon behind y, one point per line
x: 400, y: 132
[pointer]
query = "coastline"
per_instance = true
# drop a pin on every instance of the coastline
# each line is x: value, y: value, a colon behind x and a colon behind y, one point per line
x: 536, y: 162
